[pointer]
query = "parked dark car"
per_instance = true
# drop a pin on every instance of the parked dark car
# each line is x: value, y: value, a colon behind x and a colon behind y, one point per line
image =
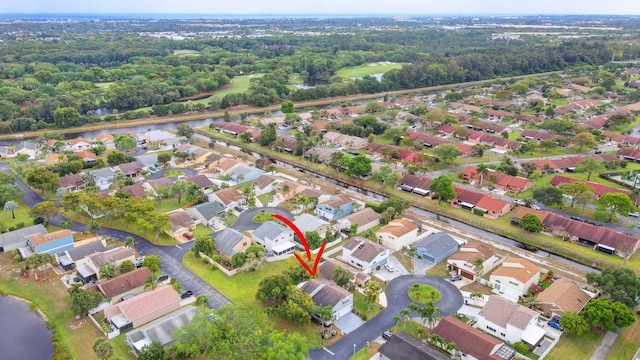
x: 186, y: 294
x: 387, y: 335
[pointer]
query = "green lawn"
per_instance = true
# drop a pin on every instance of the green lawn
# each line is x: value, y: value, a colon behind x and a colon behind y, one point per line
x: 422, y: 293
x: 262, y: 216
x: 361, y: 306
x: 553, y: 152
x: 242, y: 288
x: 201, y: 230
x: 410, y: 327
x: 186, y: 52
x: 240, y: 85
x: 368, y: 69
x: 22, y: 216
x: 576, y: 347
x: 264, y: 198
x: 173, y: 173
x: 168, y: 205
x: 367, y: 352
x: 105, y: 85
x: 626, y: 343
x: 51, y: 296
x: 120, y: 224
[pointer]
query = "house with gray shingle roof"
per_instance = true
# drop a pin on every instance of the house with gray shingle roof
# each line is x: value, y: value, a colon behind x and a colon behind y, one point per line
x: 242, y: 174
x: 15, y: 239
x: 207, y: 212
x: 364, y: 254
x: 510, y: 321
x: 103, y: 178
x: 275, y: 238
x: 326, y: 293
x: 306, y: 222
x: 229, y: 242
x: 161, y: 330
x: 436, y: 247
x: 147, y: 160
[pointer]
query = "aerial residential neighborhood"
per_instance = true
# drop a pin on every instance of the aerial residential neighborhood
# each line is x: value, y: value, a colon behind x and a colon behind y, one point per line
x: 350, y: 188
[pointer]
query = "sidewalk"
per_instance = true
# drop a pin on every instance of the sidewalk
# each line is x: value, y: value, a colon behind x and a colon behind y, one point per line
x: 603, y: 349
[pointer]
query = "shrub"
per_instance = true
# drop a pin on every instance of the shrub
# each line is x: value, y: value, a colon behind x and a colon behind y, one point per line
x: 38, y: 220
x: 521, y: 347
x: 478, y: 212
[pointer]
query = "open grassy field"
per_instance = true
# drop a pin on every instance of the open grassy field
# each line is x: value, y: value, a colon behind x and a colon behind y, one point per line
x: 51, y: 296
x: 186, y: 52
x: 368, y: 69
x: 242, y: 288
x: 240, y: 84
x: 576, y: 347
x: 22, y: 216
x: 627, y: 342
x: 105, y: 85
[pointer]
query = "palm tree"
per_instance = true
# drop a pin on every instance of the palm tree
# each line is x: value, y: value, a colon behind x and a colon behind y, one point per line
x: 150, y: 282
x: 483, y: 170
x: 452, y: 348
x: 11, y: 206
x: 428, y: 313
x: 478, y: 266
x: 74, y: 288
x: 129, y: 242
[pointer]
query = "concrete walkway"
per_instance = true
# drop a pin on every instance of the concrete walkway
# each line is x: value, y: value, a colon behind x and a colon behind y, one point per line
x: 603, y: 349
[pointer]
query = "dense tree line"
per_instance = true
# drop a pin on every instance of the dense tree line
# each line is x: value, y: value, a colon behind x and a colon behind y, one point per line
x: 60, y: 67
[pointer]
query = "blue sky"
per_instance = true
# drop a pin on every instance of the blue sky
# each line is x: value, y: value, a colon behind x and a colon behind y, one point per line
x: 383, y: 7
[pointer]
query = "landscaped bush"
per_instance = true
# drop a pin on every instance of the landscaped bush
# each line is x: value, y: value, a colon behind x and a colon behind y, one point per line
x: 478, y: 212
x: 521, y: 347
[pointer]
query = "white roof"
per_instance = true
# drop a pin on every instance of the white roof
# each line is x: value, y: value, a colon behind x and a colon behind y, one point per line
x: 533, y: 334
x: 283, y: 247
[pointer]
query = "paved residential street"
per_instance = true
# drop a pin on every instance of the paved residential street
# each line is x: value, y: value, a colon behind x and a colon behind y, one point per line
x: 170, y: 256
x: 398, y: 299
x: 160, y: 174
x: 245, y: 220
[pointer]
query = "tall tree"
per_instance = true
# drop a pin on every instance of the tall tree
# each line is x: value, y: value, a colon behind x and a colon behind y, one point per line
x: 618, y: 284
x: 442, y: 186
x: 607, y: 314
x: 589, y: 166
x: 548, y: 196
x: 575, y: 190
x: 341, y: 276
x: 46, y: 210
x: 85, y: 300
x: 11, y: 206
x: 43, y: 179
x: 531, y: 222
x: 10, y: 192
x: 103, y: 348
x: 446, y: 152
x: 616, y: 203
x: 573, y: 323
x: 483, y: 170
x: 151, y: 262
x: 272, y: 289
x: 153, y: 351
x: 584, y: 139
x: 268, y: 135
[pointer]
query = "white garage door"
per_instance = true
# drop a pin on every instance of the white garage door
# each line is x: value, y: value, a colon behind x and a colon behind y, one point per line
x: 343, y: 312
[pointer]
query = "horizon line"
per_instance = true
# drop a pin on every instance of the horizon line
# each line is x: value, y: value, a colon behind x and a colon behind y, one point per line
x: 322, y: 14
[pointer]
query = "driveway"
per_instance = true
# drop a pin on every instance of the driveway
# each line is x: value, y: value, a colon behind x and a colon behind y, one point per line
x: 421, y: 266
x: 398, y: 299
x: 170, y: 256
x: 245, y: 220
x: 384, y: 274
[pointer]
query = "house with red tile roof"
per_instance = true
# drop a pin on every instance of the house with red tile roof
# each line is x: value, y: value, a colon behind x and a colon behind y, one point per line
x: 515, y: 184
x: 418, y: 185
x: 386, y: 150
x: 143, y: 308
x: 597, y: 237
x: 538, y: 135
x: 79, y: 144
x: 492, y: 207
x: 234, y: 129
x: 472, y: 343
x: 87, y: 156
x: 598, y: 189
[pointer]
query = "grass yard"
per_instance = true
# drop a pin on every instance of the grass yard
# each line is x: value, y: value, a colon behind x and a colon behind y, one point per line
x: 242, y: 288
x: 262, y: 217
x: 626, y: 343
x: 173, y: 173
x: 412, y: 328
x: 264, y: 198
x: 576, y: 347
x: 423, y: 293
x: 368, y: 69
x: 367, y: 352
x: 552, y: 152
x: 439, y: 270
x: 201, y: 230
x: 361, y: 306
x: 51, y: 296
x: 168, y: 205
x: 22, y: 216
x: 163, y: 239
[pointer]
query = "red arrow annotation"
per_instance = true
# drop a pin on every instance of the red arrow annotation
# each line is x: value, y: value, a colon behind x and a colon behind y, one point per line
x: 305, y: 244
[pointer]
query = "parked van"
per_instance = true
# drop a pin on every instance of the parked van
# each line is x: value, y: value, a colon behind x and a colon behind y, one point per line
x: 163, y: 277
x: 126, y: 297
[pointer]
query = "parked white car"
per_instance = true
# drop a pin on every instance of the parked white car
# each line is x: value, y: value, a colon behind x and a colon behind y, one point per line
x: 535, y: 207
x: 389, y: 267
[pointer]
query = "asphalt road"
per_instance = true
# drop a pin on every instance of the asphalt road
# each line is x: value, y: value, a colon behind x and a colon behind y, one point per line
x: 160, y: 174
x: 170, y: 256
x: 245, y: 220
x: 397, y: 299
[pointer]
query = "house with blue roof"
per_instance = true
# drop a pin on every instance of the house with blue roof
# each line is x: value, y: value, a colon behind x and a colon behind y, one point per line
x: 336, y: 207
x: 51, y: 243
x: 436, y: 247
